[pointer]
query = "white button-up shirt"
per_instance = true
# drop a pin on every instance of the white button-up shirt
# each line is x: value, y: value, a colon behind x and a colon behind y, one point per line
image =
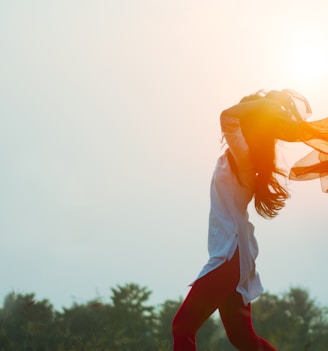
x: 228, y: 220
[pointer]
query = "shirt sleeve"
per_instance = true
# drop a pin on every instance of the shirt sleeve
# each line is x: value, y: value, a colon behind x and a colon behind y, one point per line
x: 239, y: 149
x: 266, y: 116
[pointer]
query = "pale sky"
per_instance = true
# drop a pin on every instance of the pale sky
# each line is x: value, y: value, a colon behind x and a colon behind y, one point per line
x: 110, y: 133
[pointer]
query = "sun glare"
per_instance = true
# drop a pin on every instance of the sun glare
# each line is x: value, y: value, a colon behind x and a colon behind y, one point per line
x: 310, y: 61
x: 308, y: 54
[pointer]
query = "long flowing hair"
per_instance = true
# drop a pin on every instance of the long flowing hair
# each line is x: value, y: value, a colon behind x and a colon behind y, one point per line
x: 270, y: 194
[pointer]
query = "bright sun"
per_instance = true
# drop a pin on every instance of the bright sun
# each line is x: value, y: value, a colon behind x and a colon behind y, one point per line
x: 308, y: 54
x: 310, y: 61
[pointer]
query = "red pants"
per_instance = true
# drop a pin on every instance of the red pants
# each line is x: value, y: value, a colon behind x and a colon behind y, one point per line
x: 217, y: 290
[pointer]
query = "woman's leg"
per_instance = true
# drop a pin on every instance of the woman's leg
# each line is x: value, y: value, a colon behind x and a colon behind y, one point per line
x: 194, y: 311
x: 237, y: 321
x: 204, y: 298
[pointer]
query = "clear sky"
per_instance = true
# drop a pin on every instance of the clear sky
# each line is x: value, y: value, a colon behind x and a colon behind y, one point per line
x: 110, y: 132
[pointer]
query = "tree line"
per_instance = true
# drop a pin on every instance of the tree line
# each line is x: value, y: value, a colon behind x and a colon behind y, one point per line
x: 127, y: 322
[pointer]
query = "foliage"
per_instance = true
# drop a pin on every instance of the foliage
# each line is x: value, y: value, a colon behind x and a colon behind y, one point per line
x: 26, y: 323
x: 292, y: 322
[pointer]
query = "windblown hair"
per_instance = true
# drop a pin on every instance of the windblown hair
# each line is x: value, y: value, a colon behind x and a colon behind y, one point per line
x: 270, y: 195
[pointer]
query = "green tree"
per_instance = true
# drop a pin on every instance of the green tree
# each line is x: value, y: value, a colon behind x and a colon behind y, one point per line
x: 85, y: 325
x: 293, y: 322
x: 270, y: 319
x: 165, y: 316
x: 133, y: 321
x: 26, y: 324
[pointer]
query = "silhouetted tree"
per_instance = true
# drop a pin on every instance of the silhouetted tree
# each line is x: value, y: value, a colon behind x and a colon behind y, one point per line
x: 26, y: 324
x: 133, y: 321
x: 165, y: 316
x: 86, y: 325
x: 292, y: 322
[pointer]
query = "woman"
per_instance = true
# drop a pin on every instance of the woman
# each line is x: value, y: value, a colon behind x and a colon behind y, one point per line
x: 247, y: 170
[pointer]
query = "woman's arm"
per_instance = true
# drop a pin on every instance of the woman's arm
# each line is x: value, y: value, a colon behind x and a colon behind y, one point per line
x: 255, y: 109
x: 267, y: 117
x: 239, y: 149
